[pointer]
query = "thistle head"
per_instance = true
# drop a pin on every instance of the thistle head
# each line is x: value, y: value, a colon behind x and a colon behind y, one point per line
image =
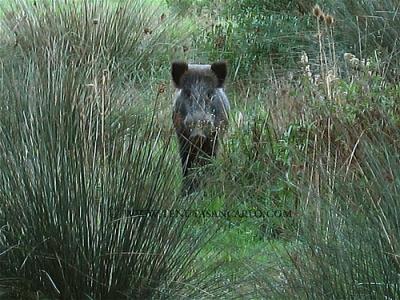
x: 317, y: 12
x: 329, y: 20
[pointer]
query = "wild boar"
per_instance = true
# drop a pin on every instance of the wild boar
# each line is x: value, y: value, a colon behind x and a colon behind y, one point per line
x: 200, y: 112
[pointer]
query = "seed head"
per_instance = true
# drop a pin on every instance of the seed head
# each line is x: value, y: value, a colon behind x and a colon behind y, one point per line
x: 348, y: 56
x: 304, y: 58
x: 317, y: 11
x: 329, y: 20
x: 330, y: 77
x: 322, y: 17
x: 161, y: 88
x: 220, y: 42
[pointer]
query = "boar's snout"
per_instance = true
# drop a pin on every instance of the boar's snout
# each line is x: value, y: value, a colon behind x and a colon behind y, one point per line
x: 198, y: 136
x: 199, y: 120
x: 200, y: 126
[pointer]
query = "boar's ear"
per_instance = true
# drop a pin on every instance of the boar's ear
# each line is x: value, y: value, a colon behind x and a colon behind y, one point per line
x: 220, y: 69
x: 177, y: 70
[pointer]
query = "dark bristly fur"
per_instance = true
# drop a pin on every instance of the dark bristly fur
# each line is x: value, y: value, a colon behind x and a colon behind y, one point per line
x: 200, y: 113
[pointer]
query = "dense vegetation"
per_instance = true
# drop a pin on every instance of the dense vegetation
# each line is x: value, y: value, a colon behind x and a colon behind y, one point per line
x: 309, y: 171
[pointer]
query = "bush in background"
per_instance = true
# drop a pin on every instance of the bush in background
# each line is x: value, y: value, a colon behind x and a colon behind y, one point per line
x: 252, y: 35
x: 258, y: 36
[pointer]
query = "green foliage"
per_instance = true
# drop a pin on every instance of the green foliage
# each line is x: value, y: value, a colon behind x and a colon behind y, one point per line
x: 253, y: 174
x: 185, y: 5
x: 250, y: 36
x: 267, y: 34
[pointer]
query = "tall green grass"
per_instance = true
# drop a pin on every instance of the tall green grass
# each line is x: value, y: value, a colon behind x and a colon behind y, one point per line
x: 78, y: 163
x: 127, y: 36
